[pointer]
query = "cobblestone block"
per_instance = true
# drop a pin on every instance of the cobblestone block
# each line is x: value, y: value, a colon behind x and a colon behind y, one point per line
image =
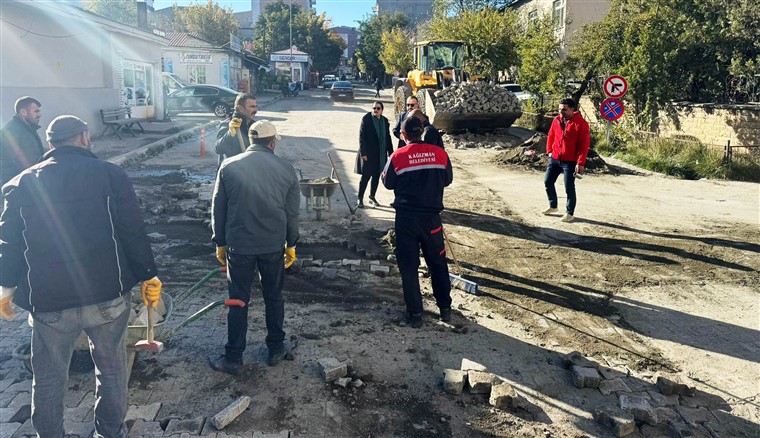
x: 669, y: 385
x: 683, y: 430
x: 26, y: 429
x: 332, y: 368
x: 21, y: 399
x: 454, y: 381
x: 315, y: 269
x: 503, y: 396
x: 585, y: 377
x: 663, y: 400
x: 695, y: 415
x: 148, y: 429
x: 351, y: 262
x: 480, y: 382
x: 81, y: 429
x: 380, y: 270
x: 620, y: 421
x: 231, y: 412
x: 280, y: 434
x: 611, y: 373
x: 22, y: 386
x: 306, y: 257
x: 468, y: 365
x: 639, y: 407
x: 192, y: 426
x: 667, y: 415
x: 607, y: 387
x: 332, y: 264
x: 79, y: 413
x: 5, y: 383
x: 661, y: 431
x: 156, y: 237
x: 577, y: 359
x: 330, y: 273
x: 143, y: 412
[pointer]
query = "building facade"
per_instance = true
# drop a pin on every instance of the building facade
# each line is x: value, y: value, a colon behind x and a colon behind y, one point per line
x: 568, y: 16
x: 197, y: 61
x: 259, y: 6
x: 351, y: 36
x: 293, y: 63
x: 417, y: 11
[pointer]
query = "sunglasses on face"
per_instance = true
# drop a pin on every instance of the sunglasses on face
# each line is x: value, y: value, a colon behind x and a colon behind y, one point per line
x: 377, y: 108
x: 411, y: 104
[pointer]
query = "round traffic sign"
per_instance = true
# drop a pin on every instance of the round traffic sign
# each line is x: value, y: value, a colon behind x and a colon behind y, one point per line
x: 615, y: 86
x: 612, y: 109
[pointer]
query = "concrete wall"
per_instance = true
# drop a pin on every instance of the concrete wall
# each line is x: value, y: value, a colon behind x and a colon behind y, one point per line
x: 710, y: 124
x: 67, y: 63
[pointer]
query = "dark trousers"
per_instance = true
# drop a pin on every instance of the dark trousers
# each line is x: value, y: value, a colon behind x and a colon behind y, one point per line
x: 240, y: 275
x: 412, y: 233
x: 553, y: 169
x: 366, y: 177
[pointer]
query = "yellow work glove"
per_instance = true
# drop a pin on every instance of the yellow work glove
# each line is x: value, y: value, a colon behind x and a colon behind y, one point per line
x: 6, y: 308
x: 290, y: 256
x: 234, y: 124
x: 151, y: 291
x: 221, y: 254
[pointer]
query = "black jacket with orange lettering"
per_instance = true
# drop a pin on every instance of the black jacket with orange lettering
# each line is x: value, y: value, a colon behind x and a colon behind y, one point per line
x: 417, y: 173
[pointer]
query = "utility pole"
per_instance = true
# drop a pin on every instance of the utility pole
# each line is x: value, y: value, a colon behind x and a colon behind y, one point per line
x: 290, y: 22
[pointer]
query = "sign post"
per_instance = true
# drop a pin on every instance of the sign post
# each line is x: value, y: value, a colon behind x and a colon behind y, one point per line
x: 611, y: 109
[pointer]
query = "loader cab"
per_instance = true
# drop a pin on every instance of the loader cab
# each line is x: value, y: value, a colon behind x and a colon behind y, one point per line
x: 441, y: 62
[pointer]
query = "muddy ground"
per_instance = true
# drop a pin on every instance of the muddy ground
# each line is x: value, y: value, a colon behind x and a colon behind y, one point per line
x: 640, y: 284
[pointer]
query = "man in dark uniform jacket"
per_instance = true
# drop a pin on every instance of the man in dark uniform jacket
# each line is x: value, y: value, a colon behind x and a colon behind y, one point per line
x: 20, y: 146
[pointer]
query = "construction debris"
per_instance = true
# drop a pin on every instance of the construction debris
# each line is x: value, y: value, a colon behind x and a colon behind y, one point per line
x: 476, y: 97
x: 228, y: 414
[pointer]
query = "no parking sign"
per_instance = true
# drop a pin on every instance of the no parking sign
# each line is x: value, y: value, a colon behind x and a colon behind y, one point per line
x: 612, y: 109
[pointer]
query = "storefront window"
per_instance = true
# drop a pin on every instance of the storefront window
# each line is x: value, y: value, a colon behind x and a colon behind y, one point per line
x: 138, y: 84
x: 196, y: 74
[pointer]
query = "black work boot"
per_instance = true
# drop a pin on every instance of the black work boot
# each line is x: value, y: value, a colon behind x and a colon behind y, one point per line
x: 414, y: 320
x: 286, y: 352
x: 222, y: 364
x: 446, y: 314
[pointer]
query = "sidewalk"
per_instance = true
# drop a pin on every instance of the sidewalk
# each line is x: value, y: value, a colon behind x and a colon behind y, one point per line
x: 160, y: 134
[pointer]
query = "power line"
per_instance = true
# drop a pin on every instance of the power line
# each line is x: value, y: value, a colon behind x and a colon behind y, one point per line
x: 41, y: 34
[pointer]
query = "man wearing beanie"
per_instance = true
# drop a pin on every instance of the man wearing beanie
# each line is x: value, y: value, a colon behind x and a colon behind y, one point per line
x: 20, y: 146
x: 72, y: 245
x: 417, y: 173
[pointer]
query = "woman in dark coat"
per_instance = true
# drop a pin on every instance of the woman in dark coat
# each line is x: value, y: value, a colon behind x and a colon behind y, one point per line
x: 374, y: 149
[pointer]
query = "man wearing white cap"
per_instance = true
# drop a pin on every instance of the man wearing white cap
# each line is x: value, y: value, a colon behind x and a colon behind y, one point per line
x: 255, y: 225
x: 72, y: 245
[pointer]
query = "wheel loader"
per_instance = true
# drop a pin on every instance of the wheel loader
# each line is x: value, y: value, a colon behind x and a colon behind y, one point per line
x: 439, y: 68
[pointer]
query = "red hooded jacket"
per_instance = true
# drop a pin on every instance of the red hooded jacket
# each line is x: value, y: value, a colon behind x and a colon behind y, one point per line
x: 570, y: 143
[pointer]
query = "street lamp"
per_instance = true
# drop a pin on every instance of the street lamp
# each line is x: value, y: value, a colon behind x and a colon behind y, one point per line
x: 290, y: 22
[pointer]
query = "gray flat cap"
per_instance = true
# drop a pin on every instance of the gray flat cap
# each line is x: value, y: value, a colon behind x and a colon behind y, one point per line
x: 63, y: 127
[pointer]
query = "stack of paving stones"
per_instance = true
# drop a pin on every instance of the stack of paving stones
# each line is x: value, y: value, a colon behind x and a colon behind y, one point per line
x: 339, y: 373
x: 478, y: 380
x: 345, y: 268
x: 668, y: 407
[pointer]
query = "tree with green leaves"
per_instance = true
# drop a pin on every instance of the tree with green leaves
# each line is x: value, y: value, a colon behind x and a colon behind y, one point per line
x: 272, y: 34
x: 371, y: 43
x: 396, y: 53
x: 491, y: 35
x: 540, y: 65
x: 122, y: 11
x: 209, y: 21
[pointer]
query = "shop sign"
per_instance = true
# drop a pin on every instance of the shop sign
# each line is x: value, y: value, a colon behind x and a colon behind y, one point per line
x: 196, y: 58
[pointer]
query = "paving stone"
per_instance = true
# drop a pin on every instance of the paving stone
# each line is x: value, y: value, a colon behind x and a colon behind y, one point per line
x: 480, y: 382
x: 8, y: 429
x: 695, y: 415
x: 666, y: 415
x: 156, y: 237
x: 468, y: 365
x: 585, y: 377
x: 683, y: 430
x: 351, y: 262
x: 700, y: 398
x: 611, y: 373
x: 663, y: 400
x: 5, y: 383
x: 345, y: 275
x: 661, y: 431
x: 26, y: 429
x: 192, y: 426
x: 79, y: 413
x: 576, y: 358
x: 454, y: 381
x: 280, y: 434
x: 231, y: 412
x: 22, y: 386
x: 332, y: 264
x: 332, y: 368
x: 671, y: 384
x: 317, y: 263
x: 21, y: 399
x: 343, y: 381
x: 306, y: 258
x: 23, y: 413
x: 143, y: 412
x: 607, y: 387
x: 380, y: 270
x: 143, y: 428
x: 639, y: 406
x: 620, y: 421
x: 7, y: 413
x: 330, y: 273
x: 503, y: 396
x: 82, y: 429
x: 315, y: 269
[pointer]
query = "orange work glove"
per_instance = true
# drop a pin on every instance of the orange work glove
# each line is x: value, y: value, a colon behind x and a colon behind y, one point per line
x: 290, y: 256
x: 151, y: 291
x: 221, y: 254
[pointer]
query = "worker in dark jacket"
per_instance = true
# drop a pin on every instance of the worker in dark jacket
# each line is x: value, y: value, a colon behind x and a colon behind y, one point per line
x: 411, y: 104
x: 232, y: 137
x: 374, y: 148
x: 20, y: 146
x: 417, y: 174
x: 72, y: 245
x: 430, y: 134
x: 255, y: 221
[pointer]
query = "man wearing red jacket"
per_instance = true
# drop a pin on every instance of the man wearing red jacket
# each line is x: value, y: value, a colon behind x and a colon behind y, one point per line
x: 567, y: 147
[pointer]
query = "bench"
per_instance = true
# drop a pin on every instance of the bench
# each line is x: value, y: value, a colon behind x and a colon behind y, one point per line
x: 120, y: 119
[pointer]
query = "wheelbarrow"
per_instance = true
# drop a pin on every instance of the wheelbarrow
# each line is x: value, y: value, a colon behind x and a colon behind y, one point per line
x: 317, y: 193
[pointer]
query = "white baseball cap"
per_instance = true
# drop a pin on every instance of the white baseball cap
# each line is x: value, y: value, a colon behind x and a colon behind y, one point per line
x: 263, y: 129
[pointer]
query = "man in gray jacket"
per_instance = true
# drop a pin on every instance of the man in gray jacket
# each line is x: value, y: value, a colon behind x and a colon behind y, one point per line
x: 254, y: 220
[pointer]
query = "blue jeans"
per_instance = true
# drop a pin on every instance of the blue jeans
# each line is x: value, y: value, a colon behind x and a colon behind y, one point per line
x: 240, y: 275
x: 553, y: 169
x: 53, y: 338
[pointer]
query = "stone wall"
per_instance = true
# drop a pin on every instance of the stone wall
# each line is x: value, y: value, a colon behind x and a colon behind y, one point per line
x: 709, y: 123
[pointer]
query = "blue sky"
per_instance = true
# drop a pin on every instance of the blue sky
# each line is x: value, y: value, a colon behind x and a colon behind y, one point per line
x: 343, y: 12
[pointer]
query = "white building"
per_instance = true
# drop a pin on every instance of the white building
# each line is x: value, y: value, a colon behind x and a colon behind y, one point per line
x: 76, y: 62
x: 198, y: 61
x: 568, y: 16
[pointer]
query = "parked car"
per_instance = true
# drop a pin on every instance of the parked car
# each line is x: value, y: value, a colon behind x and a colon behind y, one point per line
x: 202, y: 98
x: 342, y: 90
x: 518, y: 91
x: 328, y: 80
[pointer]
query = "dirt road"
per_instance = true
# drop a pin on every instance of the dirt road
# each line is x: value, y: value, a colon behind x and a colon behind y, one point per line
x: 657, y: 275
